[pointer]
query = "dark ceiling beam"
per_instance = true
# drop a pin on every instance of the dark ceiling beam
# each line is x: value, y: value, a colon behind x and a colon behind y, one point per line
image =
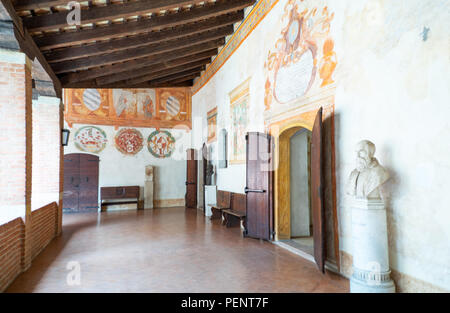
x: 183, y: 80
x: 154, y: 75
x: 129, y: 65
x: 155, y: 67
x: 189, y: 73
x: 91, y: 84
x: 141, y: 26
x: 135, y: 53
x: 102, y: 13
x: 223, y: 22
x: 29, y: 47
x: 22, y: 5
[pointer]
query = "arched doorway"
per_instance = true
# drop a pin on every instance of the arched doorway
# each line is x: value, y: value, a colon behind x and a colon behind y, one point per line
x: 80, y: 182
x: 298, y: 185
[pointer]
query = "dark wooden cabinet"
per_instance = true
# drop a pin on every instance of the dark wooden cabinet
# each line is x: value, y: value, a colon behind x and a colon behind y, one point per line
x: 80, y: 182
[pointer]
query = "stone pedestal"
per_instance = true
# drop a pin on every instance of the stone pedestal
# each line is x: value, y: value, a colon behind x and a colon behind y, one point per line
x: 210, y: 198
x: 371, y: 273
x: 148, y: 188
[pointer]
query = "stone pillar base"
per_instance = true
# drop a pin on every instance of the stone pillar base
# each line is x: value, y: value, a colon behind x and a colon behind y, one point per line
x: 210, y: 198
x: 148, y: 195
x: 371, y: 282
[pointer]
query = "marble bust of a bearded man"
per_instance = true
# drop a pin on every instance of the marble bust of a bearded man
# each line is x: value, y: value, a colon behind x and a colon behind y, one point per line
x: 369, y: 175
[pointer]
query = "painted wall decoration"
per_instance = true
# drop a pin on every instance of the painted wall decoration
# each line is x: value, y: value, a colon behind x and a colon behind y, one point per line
x: 161, y: 144
x: 239, y: 104
x: 211, y: 117
x: 165, y: 107
x: 129, y: 141
x: 90, y: 139
x: 303, y: 49
x: 257, y: 14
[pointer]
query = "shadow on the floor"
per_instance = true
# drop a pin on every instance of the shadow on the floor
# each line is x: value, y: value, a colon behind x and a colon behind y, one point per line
x: 27, y: 281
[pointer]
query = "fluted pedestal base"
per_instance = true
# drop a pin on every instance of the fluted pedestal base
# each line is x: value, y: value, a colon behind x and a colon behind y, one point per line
x: 371, y: 271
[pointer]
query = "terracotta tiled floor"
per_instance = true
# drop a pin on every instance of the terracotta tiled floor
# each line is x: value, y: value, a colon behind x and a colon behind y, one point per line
x: 167, y: 250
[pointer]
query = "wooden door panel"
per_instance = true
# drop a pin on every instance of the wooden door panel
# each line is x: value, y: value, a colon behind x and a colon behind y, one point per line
x: 258, y: 186
x: 71, y: 181
x: 317, y: 192
x: 88, y: 196
x: 191, y: 179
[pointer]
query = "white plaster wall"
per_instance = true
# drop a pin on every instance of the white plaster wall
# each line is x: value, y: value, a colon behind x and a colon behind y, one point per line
x: 299, y: 184
x: 117, y: 169
x: 393, y: 89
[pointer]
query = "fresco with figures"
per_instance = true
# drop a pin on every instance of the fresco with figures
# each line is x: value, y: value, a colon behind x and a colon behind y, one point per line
x: 165, y: 107
x: 90, y: 139
x: 161, y: 144
x: 211, y: 118
x: 239, y: 104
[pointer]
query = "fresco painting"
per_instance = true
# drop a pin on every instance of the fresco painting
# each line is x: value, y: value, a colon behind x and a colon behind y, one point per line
x: 129, y: 141
x: 239, y: 105
x: 161, y: 144
x: 303, y: 50
x: 165, y: 107
x: 212, y: 125
x: 90, y: 139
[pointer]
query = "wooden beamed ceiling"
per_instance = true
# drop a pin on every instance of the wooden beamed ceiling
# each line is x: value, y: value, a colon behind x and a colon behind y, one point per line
x: 128, y: 43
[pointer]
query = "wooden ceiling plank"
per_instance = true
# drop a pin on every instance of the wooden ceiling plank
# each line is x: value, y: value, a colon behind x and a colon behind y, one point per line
x: 23, y: 5
x: 129, y: 65
x: 154, y: 23
x: 154, y: 68
x: 102, y: 13
x: 183, y: 79
x: 183, y: 74
x: 28, y: 45
x: 139, y: 52
x: 163, y: 73
x: 222, y: 22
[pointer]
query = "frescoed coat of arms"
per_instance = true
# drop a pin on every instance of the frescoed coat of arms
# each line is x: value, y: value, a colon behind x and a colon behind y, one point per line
x: 303, y: 49
x: 90, y: 139
x: 161, y: 144
x: 129, y: 141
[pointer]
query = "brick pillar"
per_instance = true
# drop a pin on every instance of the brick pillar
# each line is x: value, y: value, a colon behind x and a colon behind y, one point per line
x: 16, y: 140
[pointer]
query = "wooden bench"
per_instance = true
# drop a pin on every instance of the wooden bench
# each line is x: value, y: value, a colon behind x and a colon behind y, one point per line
x: 235, y: 215
x: 223, y: 200
x: 130, y: 194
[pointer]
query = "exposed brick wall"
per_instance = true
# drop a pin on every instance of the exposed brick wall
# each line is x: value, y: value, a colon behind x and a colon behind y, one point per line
x: 23, y: 233
x: 11, y: 247
x: 43, y: 227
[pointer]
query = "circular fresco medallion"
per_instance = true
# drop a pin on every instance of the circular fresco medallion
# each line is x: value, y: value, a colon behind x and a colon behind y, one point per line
x: 161, y: 144
x: 90, y: 139
x: 129, y: 141
x: 91, y: 99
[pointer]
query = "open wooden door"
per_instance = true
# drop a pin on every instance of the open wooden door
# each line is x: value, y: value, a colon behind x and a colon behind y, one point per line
x: 191, y: 179
x: 259, y: 217
x: 317, y: 192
